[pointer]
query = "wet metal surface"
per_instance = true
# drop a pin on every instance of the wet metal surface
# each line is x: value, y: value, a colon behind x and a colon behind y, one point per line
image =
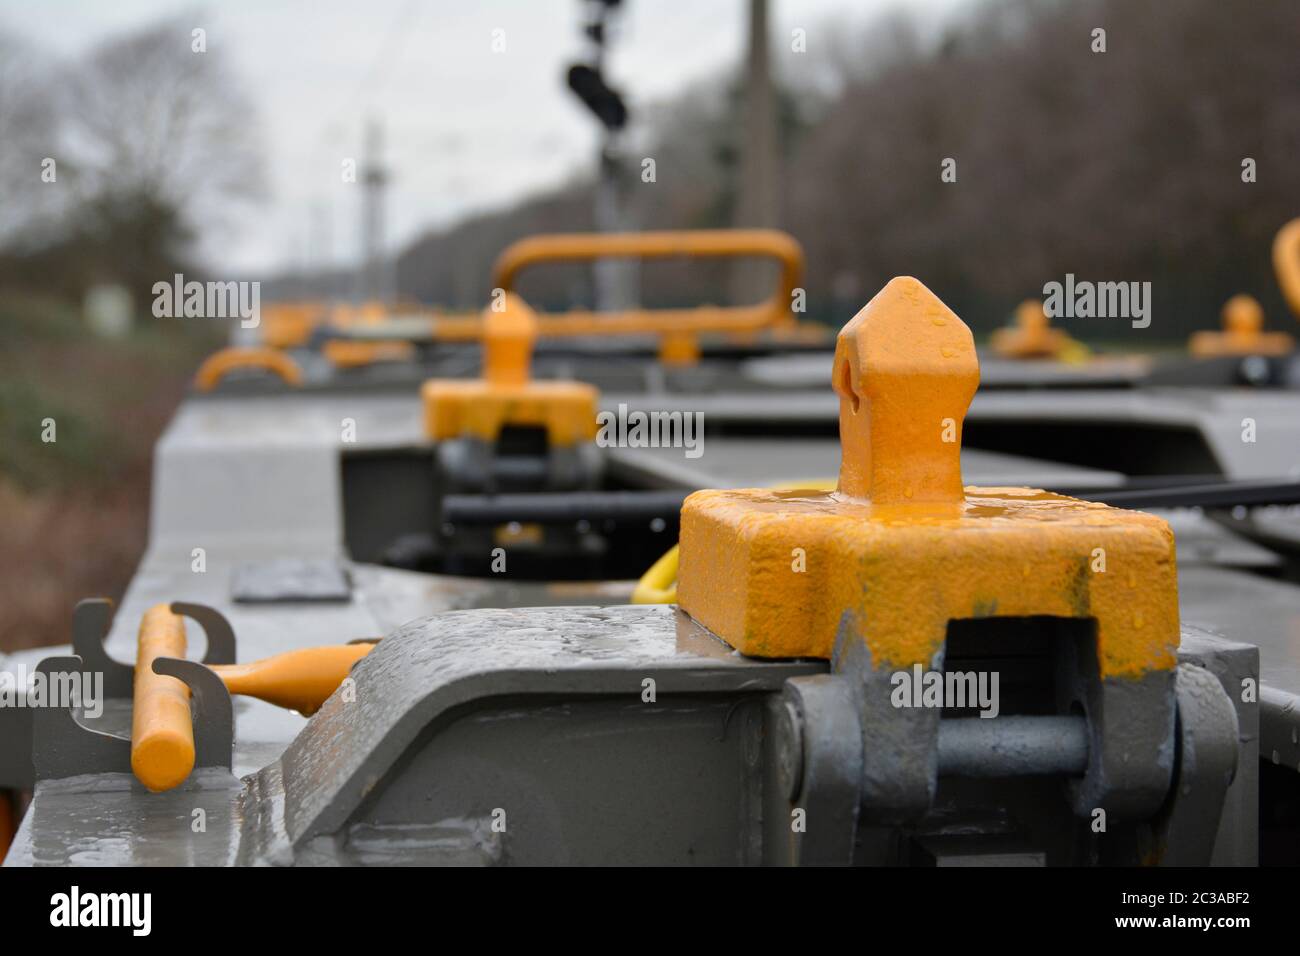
x: 241, y: 479
x: 429, y: 667
x: 423, y: 671
x: 290, y: 579
x: 111, y: 820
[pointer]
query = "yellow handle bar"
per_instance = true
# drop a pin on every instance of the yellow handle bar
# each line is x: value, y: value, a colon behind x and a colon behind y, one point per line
x: 715, y: 243
x: 220, y: 364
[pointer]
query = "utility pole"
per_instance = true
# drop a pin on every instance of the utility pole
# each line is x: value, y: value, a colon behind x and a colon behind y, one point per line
x: 375, y: 276
x: 757, y: 202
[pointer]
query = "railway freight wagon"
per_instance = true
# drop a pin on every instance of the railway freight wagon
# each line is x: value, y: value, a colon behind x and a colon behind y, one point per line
x: 695, y: 587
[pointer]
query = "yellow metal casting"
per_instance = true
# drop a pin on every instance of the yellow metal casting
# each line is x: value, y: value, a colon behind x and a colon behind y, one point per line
x: 1286, y: 263
x: 220, y: 364
x: 901, y: 549
x: 659, y: 584
x: 508, y: 338
x: 1243, y: 333
x: 1032, y: 336
x: 286, y: 325
x: 300, y: 680
x: 162, y: 734
x: 505, y: 395
x: 359, y: 316
x: 356, y: 353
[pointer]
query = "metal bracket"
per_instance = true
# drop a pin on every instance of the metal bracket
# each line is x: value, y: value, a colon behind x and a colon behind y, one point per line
x: 820, y: 769
x: 217, y: 630
x: 214, y: 715
x: 62, y: 746
x: 473, y: 465
x: 903, y: 751
x: 1206, y: 765
x: 1131, y: 736
x: 899, y: 747
x: 91, y: 620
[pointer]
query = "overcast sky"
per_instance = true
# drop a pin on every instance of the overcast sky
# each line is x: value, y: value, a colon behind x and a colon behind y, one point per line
x: 467, y: 128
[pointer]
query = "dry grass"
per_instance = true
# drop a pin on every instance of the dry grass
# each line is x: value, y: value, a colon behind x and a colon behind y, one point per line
x: 74, y: 512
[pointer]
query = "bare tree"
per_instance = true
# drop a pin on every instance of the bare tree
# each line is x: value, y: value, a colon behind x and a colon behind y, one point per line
x: 152, y: 117
x: 153, y: 139
x: 27, y: 136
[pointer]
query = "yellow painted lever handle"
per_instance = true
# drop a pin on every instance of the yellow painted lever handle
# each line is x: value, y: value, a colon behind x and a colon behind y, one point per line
x: 162, y: 735
x: 300, y: 680
x: 217, y: 365
x: 710, y: 243
x: 162, y: 730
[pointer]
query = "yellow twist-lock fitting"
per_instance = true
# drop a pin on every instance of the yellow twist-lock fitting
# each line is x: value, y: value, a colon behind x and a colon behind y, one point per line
x: 506, y: 395
x: 1243, y: 315
x: 1032, y: 336
x: 1243, y: 333
x: 508, y: 338
x: 900, y: 549
x: 896, y: 377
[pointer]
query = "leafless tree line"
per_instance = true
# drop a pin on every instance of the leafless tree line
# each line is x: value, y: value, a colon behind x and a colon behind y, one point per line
x: 1125, y: 164
x: 112, y: 165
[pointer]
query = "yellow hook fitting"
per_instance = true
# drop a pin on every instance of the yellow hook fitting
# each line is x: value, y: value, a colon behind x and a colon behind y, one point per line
x: 506, y: 395
x: 896, y: 377
x: 1243, y: 324
x: 901, y: 549
x: 508, y: 338
x: 1032, y: 336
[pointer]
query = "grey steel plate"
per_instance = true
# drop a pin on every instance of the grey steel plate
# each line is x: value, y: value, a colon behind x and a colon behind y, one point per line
x: 289, y: 580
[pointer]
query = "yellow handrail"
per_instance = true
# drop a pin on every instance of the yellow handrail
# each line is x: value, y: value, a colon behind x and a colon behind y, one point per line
x: 219, y: 364
x: 708, y: 243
